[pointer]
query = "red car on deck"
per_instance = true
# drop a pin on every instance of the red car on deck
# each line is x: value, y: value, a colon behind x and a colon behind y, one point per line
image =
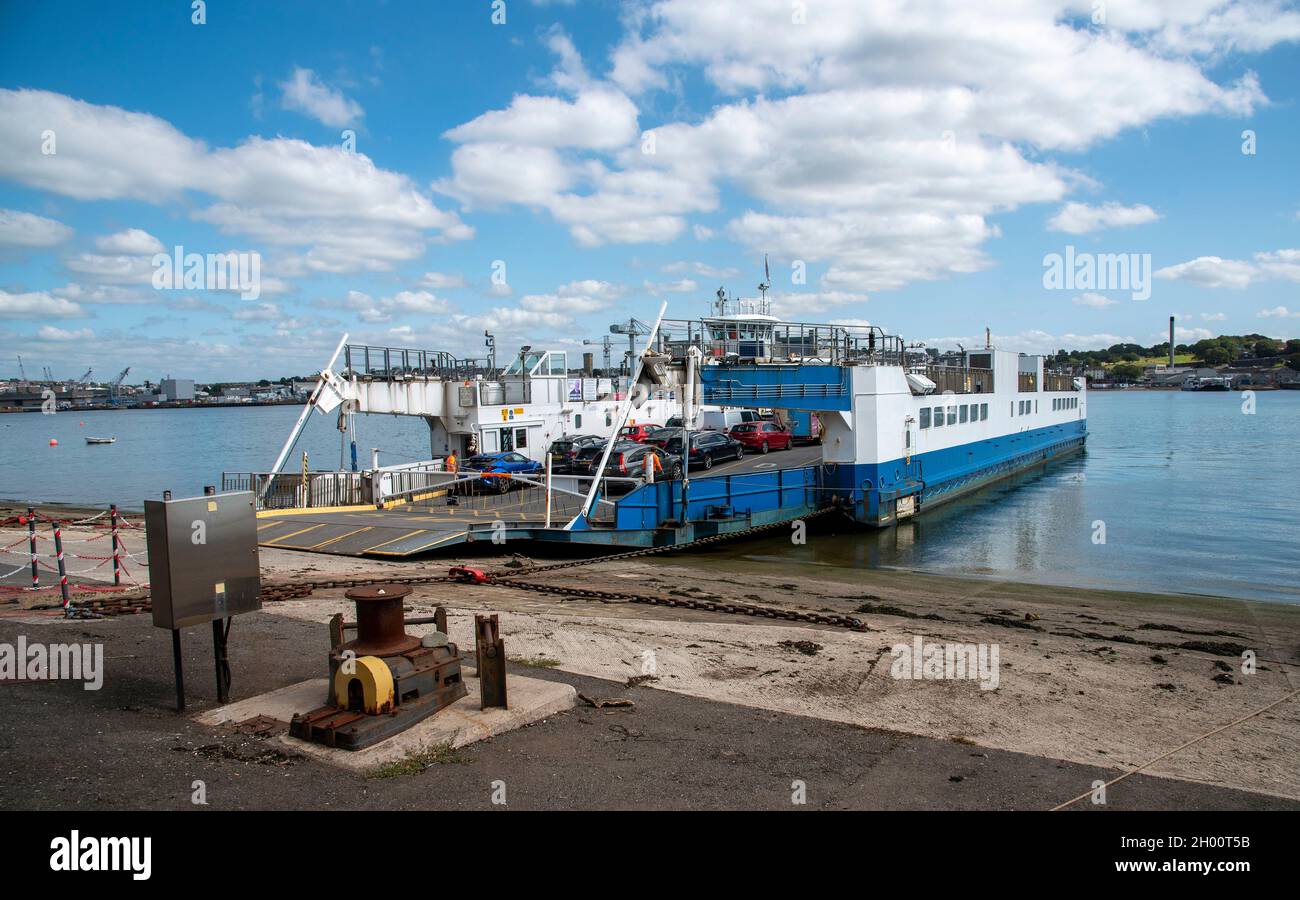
x: 759, y: 437
x: 637, y: 433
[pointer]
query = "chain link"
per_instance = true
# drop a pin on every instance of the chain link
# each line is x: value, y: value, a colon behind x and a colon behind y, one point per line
x: 297, y: 590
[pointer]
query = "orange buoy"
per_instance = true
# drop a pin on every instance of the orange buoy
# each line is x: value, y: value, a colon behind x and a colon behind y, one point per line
x: 53, y: 442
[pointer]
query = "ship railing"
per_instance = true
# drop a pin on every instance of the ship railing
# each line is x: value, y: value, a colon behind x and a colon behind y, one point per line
x: 782, y: 341
x: 513, y: 498
x: 1058, y: 381
x: 958, y: 379
x: 405, y: 362
x: 293, y: 490
x: 504, y: 393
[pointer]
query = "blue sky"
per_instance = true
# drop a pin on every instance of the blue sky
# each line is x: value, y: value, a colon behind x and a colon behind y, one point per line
x: 916, y: 163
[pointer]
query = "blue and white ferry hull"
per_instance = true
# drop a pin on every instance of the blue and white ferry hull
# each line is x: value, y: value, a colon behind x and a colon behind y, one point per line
x: 895, y: 453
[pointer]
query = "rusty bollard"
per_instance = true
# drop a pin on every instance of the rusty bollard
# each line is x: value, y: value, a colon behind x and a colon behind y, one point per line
x: 490, y: 656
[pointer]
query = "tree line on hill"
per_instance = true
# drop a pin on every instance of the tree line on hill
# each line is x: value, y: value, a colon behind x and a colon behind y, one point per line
x: 1123, y: 359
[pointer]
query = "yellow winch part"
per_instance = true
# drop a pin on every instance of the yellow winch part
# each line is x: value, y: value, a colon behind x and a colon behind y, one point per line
x: 376, y: 681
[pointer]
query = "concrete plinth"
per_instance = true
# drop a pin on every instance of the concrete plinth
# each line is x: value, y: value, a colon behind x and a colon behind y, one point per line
x: 531, y: 700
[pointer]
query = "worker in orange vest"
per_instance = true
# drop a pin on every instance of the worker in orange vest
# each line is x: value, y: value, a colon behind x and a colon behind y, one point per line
x: 451, y: 462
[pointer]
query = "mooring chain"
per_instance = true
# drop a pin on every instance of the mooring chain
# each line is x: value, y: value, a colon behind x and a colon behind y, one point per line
x: 298, y: 590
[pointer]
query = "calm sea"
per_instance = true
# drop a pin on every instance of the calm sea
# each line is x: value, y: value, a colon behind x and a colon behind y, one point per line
x: 1195, y: 495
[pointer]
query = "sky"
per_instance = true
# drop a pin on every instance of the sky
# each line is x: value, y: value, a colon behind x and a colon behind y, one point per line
x: 414, y: 174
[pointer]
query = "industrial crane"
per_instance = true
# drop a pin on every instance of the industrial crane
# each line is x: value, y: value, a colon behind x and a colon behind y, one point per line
x: 115, y: 385
x: 632, y: 328
x: 84, y: 379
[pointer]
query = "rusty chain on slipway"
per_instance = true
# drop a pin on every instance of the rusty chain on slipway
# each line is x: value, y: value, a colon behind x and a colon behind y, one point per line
x: 298, y: 590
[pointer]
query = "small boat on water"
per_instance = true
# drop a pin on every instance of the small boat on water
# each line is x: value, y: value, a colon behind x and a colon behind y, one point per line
x: 91, y: 440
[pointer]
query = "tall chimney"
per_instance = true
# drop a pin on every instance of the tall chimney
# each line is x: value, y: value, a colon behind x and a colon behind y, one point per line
x: 1171, y: 342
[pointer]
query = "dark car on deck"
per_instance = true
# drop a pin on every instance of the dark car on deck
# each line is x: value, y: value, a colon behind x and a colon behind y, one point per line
x: 759, y: 437
x: 707, y: 448
x: 661, y: 436
x: 628, y: 460
x: 564, y: 451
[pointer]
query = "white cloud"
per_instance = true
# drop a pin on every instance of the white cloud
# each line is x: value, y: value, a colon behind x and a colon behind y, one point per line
x: 1278, y: 312
x: 262, y: 312
x: 877, y: 141
x: 1096, y: 301
x: 51, y: 333
x: 24, y: 229
x: 695, y: 267
x: 574, y: 298
x: 37, y: 305
x: 680, y: 286
x: 347, y: 213
x: 372, y: 310
x: 1081, y: 218
x: 702, y: 232
x: 1184, y: 335
x: 440, y: 281
x: 1211, y: 271
x: 304, y: 92
x: 597, y: 119
x: 1236, y: 274
x: 132, y: 242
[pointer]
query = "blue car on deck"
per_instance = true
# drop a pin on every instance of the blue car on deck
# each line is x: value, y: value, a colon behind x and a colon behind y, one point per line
x: 506, y: 462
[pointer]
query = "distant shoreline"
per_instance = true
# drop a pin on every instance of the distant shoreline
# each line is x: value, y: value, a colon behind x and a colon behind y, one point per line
x: 104, y: 407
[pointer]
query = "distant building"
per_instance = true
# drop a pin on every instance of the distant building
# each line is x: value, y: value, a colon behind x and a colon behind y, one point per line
x: 173, y: 389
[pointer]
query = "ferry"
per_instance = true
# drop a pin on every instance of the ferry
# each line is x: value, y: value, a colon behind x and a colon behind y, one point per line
x: 902, y: 428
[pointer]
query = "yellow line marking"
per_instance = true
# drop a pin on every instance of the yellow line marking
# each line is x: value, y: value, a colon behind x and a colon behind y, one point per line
x: 275, y: 513
x: 268, y: 525
x: 341, y: 537
x: 285, y: 537
x: 395, y: 540
x: 441, y: 540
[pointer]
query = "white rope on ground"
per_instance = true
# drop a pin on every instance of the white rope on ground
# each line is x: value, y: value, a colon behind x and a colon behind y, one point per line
x: 91, y: 519
x: 1152, y: 762
x: 21, y: 568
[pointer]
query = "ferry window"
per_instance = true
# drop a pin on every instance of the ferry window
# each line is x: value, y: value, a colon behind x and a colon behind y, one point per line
x: 984, y: 411
x: 559, y: 362
x: 952, y: 415
x: 577, y: 421
x: 925, y: 417
x: 938, y: 417
x: 609, y: 420
x: 964, y: 413
x: 1035, y: 406
x: 1013, y: 407
x: 521, y: 437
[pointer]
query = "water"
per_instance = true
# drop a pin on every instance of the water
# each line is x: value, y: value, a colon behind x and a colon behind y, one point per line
x: 180, y: 450
x: 1196, y: 497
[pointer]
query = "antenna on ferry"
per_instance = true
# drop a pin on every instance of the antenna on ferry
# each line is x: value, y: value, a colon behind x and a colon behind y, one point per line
x: 767, y: 279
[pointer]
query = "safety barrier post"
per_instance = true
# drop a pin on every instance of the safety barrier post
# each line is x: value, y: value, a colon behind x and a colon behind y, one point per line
x: 63, y: 571
x: 117, y: 562
x: 31, y: 541
x: 548, y: 489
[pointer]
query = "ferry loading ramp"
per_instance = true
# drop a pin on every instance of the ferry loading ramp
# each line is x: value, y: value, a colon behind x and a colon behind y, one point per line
x: 727, y: 497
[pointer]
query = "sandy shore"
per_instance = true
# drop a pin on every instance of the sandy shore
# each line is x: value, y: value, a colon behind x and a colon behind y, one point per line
x: 1098, y: 677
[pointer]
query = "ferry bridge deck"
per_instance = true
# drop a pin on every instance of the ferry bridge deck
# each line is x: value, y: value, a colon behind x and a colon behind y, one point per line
x: 428, y: 523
